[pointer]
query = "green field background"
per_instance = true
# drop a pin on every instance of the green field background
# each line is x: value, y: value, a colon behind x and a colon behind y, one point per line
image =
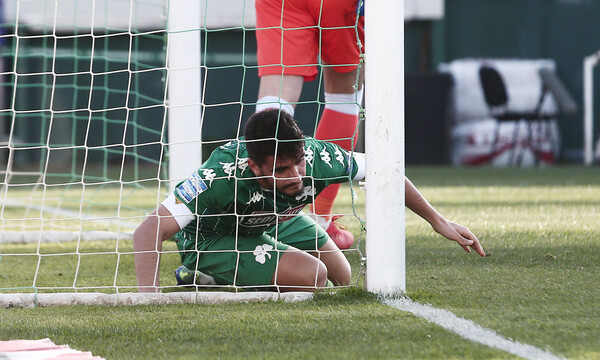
x: 538, y: 285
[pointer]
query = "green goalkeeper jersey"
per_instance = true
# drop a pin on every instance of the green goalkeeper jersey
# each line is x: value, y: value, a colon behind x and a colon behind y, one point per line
x: 226, y: 198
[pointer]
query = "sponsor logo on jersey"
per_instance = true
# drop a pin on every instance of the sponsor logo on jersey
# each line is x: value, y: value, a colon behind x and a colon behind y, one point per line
x: 209, y: 174
x: 261, y: 253
x: 192, y: 187
x: 309, y: 155
x: 326, y: 157
x: 265, y: 218
x: 339, y: 156
x: 228, y: 168
x: 256, y: 197
x: 306, y: 192
x: 242, y: 164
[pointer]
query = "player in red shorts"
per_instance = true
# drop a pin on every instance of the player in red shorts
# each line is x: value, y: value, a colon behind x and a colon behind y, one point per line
x: 292, y: 35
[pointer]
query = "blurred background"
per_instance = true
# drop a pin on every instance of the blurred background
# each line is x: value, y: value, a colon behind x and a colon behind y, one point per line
x: 524, y: 109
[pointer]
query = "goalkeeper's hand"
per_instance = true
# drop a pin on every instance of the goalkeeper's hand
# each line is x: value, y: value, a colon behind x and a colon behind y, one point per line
x: 461, y: 234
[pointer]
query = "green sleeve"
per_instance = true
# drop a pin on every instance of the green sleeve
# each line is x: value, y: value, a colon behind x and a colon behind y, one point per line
x: 209, y: 187
x: 329, y: 162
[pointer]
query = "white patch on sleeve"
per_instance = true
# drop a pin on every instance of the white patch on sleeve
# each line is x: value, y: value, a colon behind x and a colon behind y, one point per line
x: 194, y: 186
x: 180, y: 211
x: 362, y: 166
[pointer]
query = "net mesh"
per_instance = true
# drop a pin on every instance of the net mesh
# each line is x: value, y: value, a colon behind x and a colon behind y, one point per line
x: 83, y: 136
x: 83, y: 113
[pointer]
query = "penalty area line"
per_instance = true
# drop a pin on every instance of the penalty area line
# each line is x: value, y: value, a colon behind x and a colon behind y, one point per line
x: 469, y: 330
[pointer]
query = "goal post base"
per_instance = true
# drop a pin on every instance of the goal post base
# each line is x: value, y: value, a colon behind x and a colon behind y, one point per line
x: 120, y: 299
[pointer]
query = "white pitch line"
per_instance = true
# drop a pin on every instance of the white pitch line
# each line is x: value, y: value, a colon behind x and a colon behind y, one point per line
x: 469, y: 330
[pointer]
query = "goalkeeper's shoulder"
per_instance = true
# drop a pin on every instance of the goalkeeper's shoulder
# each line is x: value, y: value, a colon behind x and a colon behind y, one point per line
x: 228, y: 152
x: 356, y: 161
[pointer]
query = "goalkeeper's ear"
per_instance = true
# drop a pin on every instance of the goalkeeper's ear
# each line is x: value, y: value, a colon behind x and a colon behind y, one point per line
x: 254, y: 167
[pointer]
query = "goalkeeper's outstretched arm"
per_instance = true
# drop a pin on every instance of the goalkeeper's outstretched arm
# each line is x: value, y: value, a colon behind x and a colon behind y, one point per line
x: 147, y: 244
x: 450, y: 230
x: 420, y: 206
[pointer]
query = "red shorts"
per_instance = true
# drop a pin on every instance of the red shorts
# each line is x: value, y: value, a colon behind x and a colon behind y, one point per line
x: 311, y: 28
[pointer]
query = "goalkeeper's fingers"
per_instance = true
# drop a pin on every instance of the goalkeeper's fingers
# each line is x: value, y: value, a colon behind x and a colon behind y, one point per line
x: 468, y: 240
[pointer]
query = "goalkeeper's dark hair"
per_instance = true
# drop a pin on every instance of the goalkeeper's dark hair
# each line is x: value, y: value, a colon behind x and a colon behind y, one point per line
x: 273, y: 132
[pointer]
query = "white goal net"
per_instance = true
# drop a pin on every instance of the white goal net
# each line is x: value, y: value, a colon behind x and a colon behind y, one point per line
x: 90, y: 93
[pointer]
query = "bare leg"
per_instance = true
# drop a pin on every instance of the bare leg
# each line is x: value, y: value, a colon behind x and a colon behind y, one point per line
x: 287, y: 87
x: 338, y: 267
x: 299, y: 271
x: 342, y: 83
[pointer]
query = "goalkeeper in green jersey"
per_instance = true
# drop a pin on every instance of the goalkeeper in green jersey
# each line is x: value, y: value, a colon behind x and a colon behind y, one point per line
x: 238, y: 220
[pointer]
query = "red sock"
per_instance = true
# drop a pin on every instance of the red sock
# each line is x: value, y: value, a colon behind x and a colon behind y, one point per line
x: 338, y: 128
x: 323, y: 205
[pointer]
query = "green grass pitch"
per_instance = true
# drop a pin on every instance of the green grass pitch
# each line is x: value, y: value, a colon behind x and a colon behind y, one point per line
x: 539, y: 284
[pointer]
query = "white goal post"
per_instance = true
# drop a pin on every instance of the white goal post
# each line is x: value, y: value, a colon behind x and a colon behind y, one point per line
x: 589, y: 62
x: 184, y: 89
x: 384, y: 144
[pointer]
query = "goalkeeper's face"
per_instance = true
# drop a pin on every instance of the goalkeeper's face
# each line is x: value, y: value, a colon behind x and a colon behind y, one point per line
x: 283, y: 174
